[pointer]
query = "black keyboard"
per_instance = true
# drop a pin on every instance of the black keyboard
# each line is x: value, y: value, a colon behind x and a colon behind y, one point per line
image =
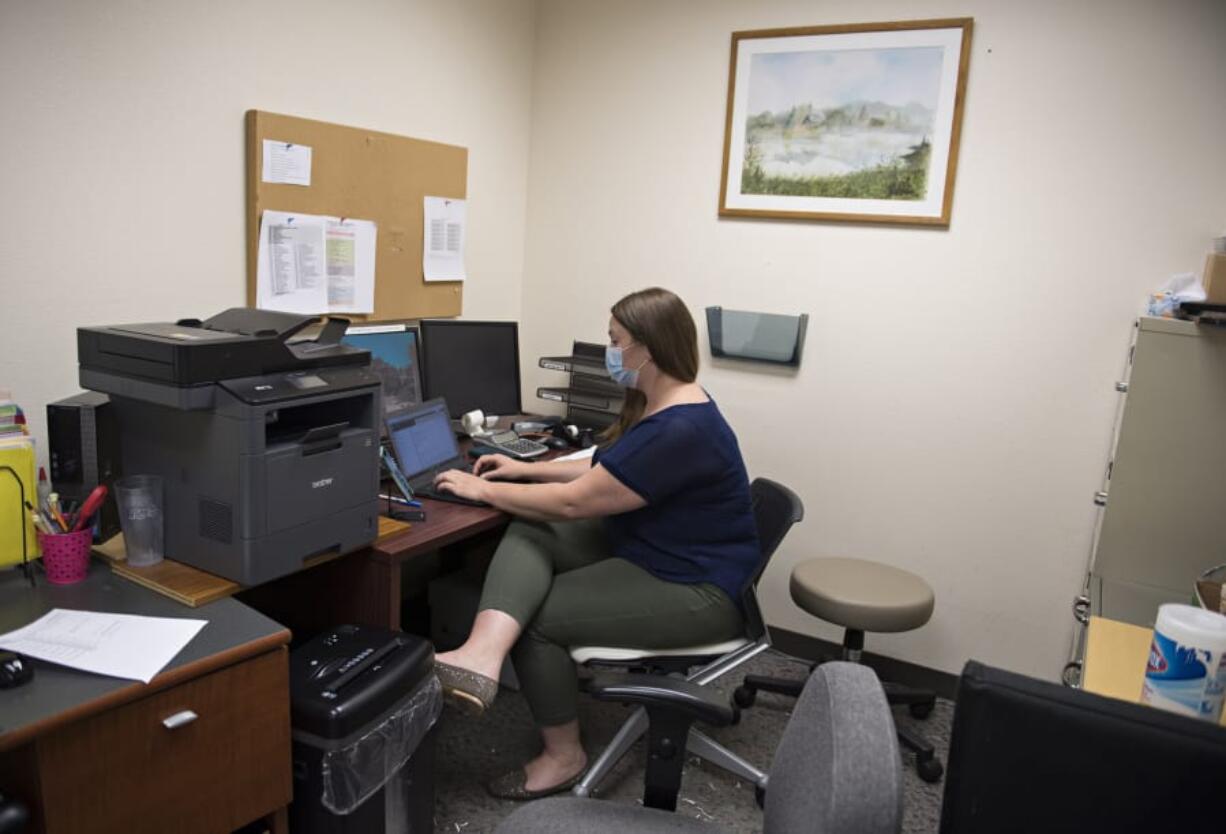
x: 450, y: 498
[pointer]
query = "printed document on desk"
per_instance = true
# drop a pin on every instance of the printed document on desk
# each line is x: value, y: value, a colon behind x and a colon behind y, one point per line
x: 582, y: 454
x: 118, y: 645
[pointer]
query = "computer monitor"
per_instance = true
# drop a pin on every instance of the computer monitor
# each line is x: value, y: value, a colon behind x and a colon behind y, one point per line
x: 394, y: 357
x: 471, y: 364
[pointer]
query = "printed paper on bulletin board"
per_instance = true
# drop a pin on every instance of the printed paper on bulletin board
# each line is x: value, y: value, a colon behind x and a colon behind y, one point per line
x: 369, y: 175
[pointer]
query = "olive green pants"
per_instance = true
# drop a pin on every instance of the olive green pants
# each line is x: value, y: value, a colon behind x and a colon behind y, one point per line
x: 561, y: 585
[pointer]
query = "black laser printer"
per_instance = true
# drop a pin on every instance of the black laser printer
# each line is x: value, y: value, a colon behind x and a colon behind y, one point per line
x: 268, y: 445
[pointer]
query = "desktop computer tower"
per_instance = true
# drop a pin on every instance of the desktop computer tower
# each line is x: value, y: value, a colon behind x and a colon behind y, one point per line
x: 84, y: 451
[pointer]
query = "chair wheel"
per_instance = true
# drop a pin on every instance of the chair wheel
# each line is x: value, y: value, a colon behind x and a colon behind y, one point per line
x: 744, y: 696
x: 759, y: 796
x: 930, y: 770
x: 921, y: 711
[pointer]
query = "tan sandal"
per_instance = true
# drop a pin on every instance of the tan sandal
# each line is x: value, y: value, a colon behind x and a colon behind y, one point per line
x: 471, y: 691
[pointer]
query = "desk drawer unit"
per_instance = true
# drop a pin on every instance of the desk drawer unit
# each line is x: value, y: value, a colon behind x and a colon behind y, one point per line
x: 208, y: 755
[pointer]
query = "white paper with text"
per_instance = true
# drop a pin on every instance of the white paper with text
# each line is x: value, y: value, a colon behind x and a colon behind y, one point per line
x: 442, y: 251
x: 119, y: 645
x: 287, y: 163
x: 291, y: 263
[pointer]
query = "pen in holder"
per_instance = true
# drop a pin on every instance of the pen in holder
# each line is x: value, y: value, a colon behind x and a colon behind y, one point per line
x: 66, y: 555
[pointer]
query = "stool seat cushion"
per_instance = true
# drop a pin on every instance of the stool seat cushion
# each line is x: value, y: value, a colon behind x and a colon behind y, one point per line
x: 862, y: 595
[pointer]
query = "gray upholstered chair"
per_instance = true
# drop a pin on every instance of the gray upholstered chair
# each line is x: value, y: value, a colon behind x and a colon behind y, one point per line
x: 837, y: 768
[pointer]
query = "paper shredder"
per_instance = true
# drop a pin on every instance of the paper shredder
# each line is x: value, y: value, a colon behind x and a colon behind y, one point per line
x: 363, y: 705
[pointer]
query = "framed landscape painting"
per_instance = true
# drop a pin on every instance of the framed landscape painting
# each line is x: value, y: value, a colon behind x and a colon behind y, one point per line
x: 857, y: 122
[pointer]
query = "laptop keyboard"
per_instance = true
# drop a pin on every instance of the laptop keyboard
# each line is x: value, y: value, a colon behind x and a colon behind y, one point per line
x: 427, y: 490
x: 435, y: 495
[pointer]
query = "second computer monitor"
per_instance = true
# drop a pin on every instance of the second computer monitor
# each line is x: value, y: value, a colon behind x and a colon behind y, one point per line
x: 394, y: 358
x: 471, y: 364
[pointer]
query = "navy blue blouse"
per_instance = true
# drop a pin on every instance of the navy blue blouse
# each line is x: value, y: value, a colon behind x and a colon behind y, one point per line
x: 698, y: 525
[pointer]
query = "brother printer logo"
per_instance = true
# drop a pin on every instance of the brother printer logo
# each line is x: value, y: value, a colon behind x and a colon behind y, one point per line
x: 321, y: 483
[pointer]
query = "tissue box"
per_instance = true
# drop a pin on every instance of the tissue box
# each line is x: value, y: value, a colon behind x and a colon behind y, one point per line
x: 1214, y: 279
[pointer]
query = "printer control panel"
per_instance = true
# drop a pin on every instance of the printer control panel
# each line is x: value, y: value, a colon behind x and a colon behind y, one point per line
x: 306, y: 381
x: 284, y: 385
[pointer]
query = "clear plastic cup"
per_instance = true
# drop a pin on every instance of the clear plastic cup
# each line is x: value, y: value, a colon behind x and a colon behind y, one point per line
x: 140, y: 516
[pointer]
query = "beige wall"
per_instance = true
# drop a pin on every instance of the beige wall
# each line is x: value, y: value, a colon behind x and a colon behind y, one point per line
x: 953, y: 411
x: 121, y: 157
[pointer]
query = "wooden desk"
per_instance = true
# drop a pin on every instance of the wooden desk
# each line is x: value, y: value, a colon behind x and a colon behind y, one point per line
x: 1115, y: 659
x: 90, y: 753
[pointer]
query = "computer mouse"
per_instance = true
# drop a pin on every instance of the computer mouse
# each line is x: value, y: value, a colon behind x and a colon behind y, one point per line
x: 14, y: 670
x: 555, y: 442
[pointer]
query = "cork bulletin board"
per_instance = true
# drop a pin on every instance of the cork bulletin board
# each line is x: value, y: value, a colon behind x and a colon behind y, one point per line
x: 367, y: 175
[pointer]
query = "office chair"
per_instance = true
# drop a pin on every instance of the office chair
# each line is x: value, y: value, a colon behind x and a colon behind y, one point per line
x: 836, y: 771
x: 776, y: 508
x: 1028, y: 755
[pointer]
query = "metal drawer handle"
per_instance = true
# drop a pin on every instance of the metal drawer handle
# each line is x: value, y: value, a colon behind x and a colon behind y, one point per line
x: 179, y: 719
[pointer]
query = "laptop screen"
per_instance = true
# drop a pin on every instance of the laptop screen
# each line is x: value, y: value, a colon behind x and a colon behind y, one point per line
x: 422, y: 437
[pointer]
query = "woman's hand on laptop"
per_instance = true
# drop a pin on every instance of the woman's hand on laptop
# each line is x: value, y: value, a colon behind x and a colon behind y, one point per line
x: 499, y: 468
x: 460, y: 483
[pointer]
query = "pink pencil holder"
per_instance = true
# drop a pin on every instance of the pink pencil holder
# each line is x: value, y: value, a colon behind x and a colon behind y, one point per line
x: 66, y: 556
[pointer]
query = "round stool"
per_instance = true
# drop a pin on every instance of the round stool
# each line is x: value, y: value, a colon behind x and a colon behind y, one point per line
x: 862, y: 596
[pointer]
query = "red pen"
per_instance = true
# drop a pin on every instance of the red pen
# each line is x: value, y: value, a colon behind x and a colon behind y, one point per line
x: 91, y: 506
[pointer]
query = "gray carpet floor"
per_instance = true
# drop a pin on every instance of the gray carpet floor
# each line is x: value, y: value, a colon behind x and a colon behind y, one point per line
x: 474, y: 750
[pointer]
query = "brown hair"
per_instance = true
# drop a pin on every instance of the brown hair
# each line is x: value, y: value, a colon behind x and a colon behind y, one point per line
x: 660, y: 321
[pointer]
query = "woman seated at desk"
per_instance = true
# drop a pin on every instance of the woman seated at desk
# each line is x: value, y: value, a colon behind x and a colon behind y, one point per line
x: 648, y: 545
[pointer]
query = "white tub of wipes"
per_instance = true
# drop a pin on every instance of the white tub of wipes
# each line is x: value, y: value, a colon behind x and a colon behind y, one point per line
x: 1186, y: 672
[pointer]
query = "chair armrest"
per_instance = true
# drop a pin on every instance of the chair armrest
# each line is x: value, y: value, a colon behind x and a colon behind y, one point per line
x: 659, y: 692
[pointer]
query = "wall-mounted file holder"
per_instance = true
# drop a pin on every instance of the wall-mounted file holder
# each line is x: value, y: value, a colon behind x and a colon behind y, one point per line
x: 759, y: 337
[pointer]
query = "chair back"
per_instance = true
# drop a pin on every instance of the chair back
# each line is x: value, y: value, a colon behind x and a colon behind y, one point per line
x: 837, y: 768
x: 775, y: 509
x: 1023, y: 752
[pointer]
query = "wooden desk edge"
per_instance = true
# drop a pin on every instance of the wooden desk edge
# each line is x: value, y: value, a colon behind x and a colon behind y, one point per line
x: 393, y: 548
x: 137, y: 690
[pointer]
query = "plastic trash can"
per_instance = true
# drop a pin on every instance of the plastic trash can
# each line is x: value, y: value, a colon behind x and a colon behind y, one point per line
x: 363, y: 706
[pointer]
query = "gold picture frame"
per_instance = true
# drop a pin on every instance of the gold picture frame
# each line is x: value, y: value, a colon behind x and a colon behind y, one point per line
x: 858, y: 122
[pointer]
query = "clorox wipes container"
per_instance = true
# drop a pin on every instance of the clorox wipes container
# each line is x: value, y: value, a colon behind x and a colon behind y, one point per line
x: 1186, y: 672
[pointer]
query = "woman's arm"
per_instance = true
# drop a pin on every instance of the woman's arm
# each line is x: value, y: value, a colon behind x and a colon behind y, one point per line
x: 502, y: 468
x: 594, y: 493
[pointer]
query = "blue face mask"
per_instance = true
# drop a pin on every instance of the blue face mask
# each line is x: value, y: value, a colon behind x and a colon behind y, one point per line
x: 623, y: 376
